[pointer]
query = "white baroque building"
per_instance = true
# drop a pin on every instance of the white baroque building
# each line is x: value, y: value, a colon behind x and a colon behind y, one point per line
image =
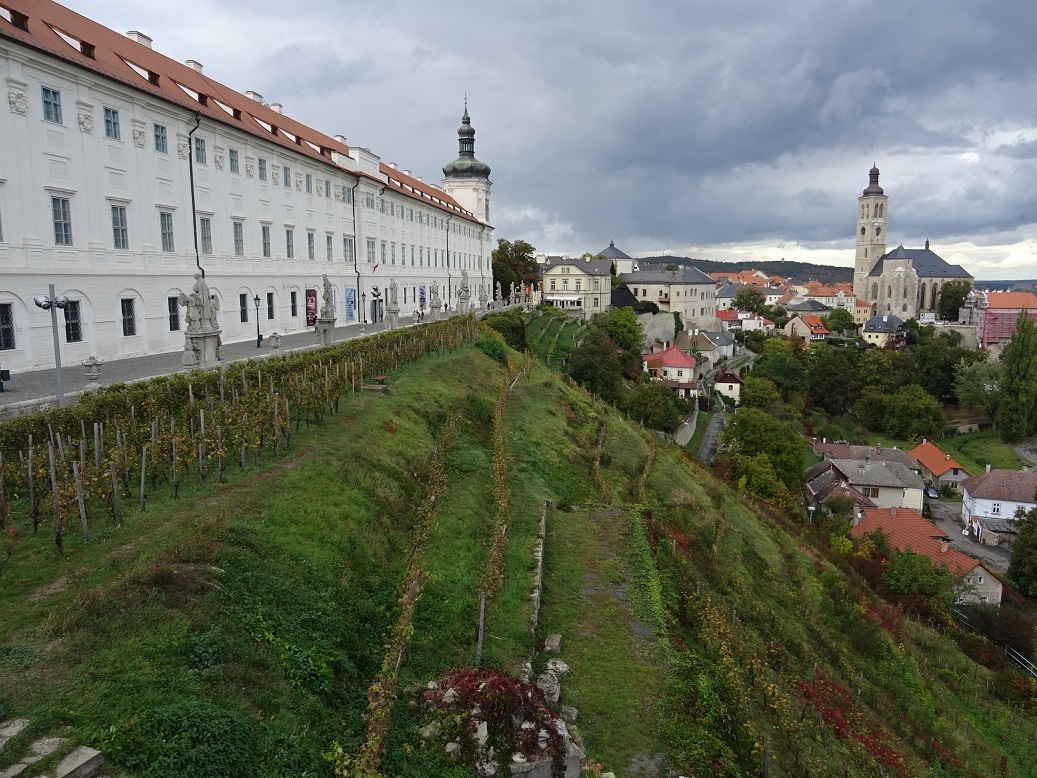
x: 121, y: 171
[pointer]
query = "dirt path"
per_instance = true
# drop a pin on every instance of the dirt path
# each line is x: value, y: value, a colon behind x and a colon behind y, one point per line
x: 1027, y: 451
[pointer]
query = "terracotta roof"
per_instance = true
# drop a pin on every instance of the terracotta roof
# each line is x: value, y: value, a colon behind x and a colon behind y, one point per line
x: 815, y: 324
x: 863, y: 303
x: 1012, y: 485
x: 671, y: 357
x: 1014, y: 300
x: 933, y: 459
x: 727, y: 314
x: 61, y: 33
x: 906, y: 530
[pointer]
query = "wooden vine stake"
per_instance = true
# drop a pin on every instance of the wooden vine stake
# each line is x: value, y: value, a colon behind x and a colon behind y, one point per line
x: 116, y: 502
x: 80, y: 499
x: 57, y: 498
x: 143, y: 475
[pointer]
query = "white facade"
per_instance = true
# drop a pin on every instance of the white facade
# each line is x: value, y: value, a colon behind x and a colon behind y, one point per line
x: 95, y: 197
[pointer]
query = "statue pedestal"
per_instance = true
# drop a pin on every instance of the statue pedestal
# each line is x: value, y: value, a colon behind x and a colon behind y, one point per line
x: 435, y: 310
x: 392, y: 316
x: 203, y: 349
x: 462, y: 304
x: 325, y: 329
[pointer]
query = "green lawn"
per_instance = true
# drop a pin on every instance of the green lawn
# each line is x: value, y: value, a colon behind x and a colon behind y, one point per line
x: 973, y: 450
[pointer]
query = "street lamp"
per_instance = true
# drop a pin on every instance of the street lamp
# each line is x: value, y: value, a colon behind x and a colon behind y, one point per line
x: 363, y: 305
x: 52, y: 303
x: 259, y: 338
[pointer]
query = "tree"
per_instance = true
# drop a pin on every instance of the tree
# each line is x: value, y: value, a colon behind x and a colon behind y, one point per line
x: 833, y: 378
x: 760, y: 393
x: 753, y: 432
x: 1017, y: 417
x: 622, y: 326
x: 779, y: 364
x: 952, y: 297
x: 749, y: 298
x: 656, y: 406
x: 594, y: 365
x: 840, y: 320
x: 979, y: 385
x: 913, y: 413
x: 870, y: 408
x: 911, y: 573
x: 513, y: 263
x: 1023, y: 570
x: 672, y: 266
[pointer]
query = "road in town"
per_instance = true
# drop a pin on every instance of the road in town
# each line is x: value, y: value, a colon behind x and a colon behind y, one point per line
x: 947, y: 516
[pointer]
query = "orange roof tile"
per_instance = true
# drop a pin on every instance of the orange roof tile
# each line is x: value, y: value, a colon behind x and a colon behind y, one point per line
x: 906, y: 530
x: 671, y: 357
x: 933, y: 459
x: 1010, y: 300
x: 814, y: 323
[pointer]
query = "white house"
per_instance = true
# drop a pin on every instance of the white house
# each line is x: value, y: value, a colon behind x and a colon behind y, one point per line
x: 996, y: 495
x: 123, y: 171
x: 686, y: 291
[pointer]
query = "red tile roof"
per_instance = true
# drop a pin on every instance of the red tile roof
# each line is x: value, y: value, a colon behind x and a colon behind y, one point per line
x: 933, y: 459
x: 119, y: 58
x: 1013, y: 300
x: 815, y: 324
x: 728, y: 378
x: 671, y: 357
x: 906, y: 530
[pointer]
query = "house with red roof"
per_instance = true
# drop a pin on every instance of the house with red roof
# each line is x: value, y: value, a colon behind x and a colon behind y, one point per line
x: 906, y: 530
x: 937, y: 467
x: 673, y: 367
x: 808, y: 327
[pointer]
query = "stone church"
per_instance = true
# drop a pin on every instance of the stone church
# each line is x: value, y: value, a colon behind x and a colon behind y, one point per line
x: 904, y: 282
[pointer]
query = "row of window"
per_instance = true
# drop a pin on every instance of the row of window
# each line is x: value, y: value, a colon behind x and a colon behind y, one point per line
x: 565, y: 285
x: 388, y: 255
x: 128, y: 312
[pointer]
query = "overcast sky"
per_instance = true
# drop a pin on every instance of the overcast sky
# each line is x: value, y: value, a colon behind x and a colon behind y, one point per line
x: 721, y: 130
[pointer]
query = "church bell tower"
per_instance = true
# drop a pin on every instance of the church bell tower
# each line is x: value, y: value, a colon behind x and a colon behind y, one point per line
x: 466, y: 179
x: 871, y: 233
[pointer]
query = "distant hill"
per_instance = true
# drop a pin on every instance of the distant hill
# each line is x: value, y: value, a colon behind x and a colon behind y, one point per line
x: 801, y: 271
x: 1029, y: 285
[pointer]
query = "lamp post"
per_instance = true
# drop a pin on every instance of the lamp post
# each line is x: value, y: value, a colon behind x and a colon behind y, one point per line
x: 259, y: 338
x: 52, y: 303
x: 363, y: 305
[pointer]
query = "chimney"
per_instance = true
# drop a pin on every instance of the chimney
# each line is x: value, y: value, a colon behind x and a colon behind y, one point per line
x: 948, y: 457
x: 254, y: 95
x: 943, y: 546
x: 867, y: 459
x: 277, y: 108
x: 139, y: 37
x: 406, y: 172
x: 341, y: 139
x: 924, y: 441
x: 393, y: 165
x: 893, y: 512
x: 195, y: 65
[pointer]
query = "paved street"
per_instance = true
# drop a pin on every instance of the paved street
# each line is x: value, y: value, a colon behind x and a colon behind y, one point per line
x: 38, y: 384
x: 947, y: 516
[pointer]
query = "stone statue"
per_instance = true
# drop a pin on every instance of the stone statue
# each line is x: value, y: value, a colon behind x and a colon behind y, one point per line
x: 392, y: 292
x: 193, y: 308
x: 464, y: 283
x: 214, y: 310
x: 498, y: 295
x: 434, y: 295
x: 327, y: 311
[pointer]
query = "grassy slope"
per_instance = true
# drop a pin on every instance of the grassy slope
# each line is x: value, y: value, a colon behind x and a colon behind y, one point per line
x: 271, y: 596
x: 973, y: 450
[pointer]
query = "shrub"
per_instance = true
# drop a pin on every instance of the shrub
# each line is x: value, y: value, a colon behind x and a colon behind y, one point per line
x: 492, y: 347
x: 190, y: 738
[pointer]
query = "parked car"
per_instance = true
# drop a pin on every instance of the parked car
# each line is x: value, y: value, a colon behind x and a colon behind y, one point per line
x: 931, y: 493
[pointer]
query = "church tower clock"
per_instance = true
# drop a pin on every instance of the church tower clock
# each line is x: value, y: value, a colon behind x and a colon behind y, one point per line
x: 871, y: 234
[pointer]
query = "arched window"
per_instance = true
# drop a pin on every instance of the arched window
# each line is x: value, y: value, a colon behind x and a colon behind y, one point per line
x: 905, y: 292
x: 904, y: 308
x: 867, y: 211
x: 878, y: 230
x: 933, y: 300
x: 921, y: 296
x: 874, y: 291
x: 889, y: 291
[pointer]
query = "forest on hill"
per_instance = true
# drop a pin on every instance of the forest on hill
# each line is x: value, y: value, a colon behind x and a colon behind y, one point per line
x: 800, y: 271
x: 318, y: 551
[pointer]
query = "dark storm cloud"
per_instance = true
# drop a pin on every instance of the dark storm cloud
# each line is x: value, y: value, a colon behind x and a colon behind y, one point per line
x: 668, y: 123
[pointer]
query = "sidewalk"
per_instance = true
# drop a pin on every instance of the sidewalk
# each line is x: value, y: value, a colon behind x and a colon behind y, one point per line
x: 36, y: 385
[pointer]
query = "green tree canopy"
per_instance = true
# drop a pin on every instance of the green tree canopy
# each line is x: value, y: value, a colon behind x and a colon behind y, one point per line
x: 1017, y: 415
x: 513, y: 263
x: 1022, y: 571
x: 840, y: 320
x: 834, y: 383
x: 594, y: 365
x: 656, y: 406
x: 952, y: 297
x: 911, y: 573
x: 979, y: 385
x: 749, y: 298
x: 760, y: 393
x: 913, y: 413
x: 870, y: 408
x: 622, y: 326
x: 753, y: 432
